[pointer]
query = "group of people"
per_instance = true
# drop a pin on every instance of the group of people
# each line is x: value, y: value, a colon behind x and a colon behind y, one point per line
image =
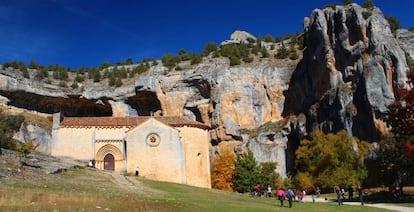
x: 290, y: 195
x: 340, y: 194
x: 260, y: 191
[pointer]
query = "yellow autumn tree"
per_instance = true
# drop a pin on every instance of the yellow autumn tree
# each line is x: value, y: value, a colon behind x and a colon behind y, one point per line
x: 222, y: 171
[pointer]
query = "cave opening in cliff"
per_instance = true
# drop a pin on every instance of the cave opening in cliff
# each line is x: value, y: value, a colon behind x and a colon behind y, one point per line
x: 196, y: 113
x: 74, y: 106
x: 292, y: 145
x: 145, y: 103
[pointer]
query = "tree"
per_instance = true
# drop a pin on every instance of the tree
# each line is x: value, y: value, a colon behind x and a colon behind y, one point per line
x: 264, y: 52
x: 282, y: 52
x: 368, y: 4
x: 210, y: 47
x: 168, y: 61
x: 269, y: 38
x: 259, y: 41
x: 267, y: 174
x: 9, y: 125
x: 394, y: 23
x: 396, y: 155
x: 32, y: 64
x: 104, y: 65
x: 346, y: 2
x: 245, y: 172
x: 128, y: 61
x: 222, y: 171
x: 332, y: 159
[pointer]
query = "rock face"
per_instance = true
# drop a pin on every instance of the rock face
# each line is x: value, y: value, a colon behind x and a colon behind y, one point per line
x: 350, y: 69
x: 406, y: 40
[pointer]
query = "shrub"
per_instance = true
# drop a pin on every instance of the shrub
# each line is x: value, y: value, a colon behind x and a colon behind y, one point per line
x: 154, y: 62
x: 394, y: 23
x: 282, y: 53
x: 104, y: 65
x: 24, y: 149
x: 293, y: 55
x: 366, y: 14
x: 250, y: 40
x: 14, y: 121
x: 128, y: 61
x: 210, y: 47
x: 269, y: 38
x: 118, y: 82
x: 33, y: 65
x: 368, y: 4
x: 264, y: 52
x: 168, y: 61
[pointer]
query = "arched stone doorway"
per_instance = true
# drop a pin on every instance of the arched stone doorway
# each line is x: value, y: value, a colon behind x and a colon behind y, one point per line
x: 109, y: 162
x: 109, y: 157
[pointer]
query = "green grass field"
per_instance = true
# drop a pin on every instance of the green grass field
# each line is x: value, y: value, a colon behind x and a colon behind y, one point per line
x: 91, y: 190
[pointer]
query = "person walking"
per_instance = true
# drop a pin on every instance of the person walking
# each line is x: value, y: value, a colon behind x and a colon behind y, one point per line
x: 281, y: 196
x: 269, y: 191
x: 290, y: 195
x: 360, y: 194
x: 339, y: 196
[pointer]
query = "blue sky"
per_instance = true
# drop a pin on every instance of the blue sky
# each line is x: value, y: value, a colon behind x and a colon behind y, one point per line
x: 78, y: 33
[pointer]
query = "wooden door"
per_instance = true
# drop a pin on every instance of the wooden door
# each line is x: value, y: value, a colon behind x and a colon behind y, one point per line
x: 109, y: 162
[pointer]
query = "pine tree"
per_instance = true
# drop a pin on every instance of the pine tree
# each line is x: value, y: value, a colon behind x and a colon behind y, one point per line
x: 246, y: 172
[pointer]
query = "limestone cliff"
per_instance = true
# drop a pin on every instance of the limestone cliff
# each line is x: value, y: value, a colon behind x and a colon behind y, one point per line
x: 350, y: 69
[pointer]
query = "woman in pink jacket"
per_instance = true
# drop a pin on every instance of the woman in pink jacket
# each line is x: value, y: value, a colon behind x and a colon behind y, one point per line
x: 281, y: 196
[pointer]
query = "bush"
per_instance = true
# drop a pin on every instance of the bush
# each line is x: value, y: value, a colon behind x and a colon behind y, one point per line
x: 154, y: 62
x: 129, y: 61
x: 366, y: 14
x: 269, y: 38
x: 14, y: 122
x: 168, y: 61
x: 394, y: 23
x: 24, y: 149
x: 264, y: 52
x: 282, y: 53
x: 210, y: 47
x: 9, y: 125
x: 293, y: 55
x: 368, y: 4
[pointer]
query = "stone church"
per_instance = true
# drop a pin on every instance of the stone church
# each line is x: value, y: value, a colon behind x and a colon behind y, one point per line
x: 172, y: 149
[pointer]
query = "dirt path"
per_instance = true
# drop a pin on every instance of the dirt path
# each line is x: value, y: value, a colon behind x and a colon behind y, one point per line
x: 133, y: 183
x: 385, y: 206
x: 375, y: 205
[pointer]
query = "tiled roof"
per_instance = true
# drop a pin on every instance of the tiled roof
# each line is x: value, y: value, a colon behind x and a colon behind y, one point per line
x: 174, y: 121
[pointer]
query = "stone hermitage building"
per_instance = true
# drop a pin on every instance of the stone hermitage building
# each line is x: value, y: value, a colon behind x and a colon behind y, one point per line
x: 172, y: 149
